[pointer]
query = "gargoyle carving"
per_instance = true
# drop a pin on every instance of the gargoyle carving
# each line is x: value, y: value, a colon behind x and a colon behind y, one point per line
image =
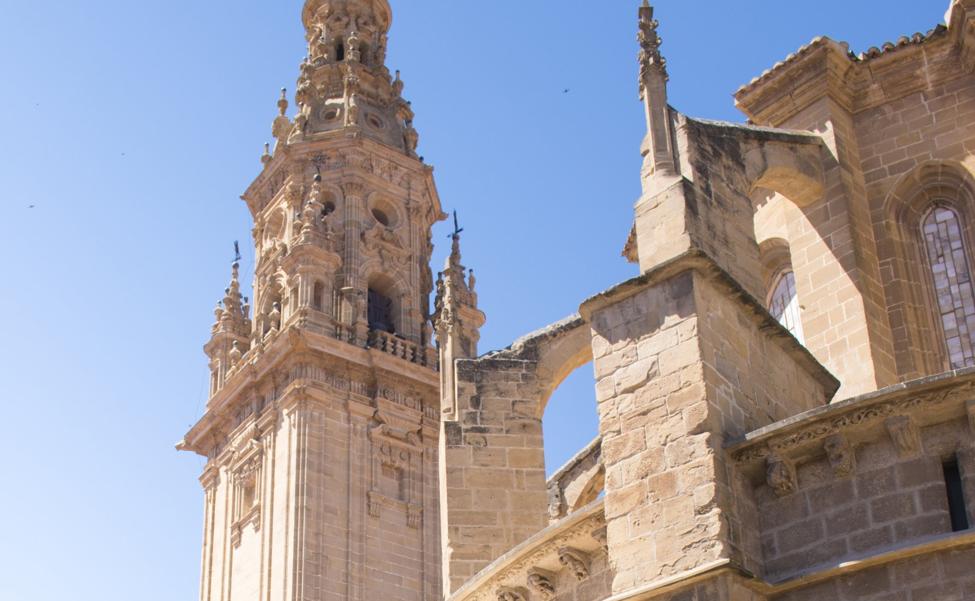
x: 576, y: 560
x: 780, y: 475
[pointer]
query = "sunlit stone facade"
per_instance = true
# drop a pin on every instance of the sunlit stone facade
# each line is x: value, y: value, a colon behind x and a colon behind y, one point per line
x: 785, y: 391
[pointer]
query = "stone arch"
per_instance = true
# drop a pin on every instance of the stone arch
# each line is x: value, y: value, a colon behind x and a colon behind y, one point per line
x: 908, y: 286
x: 794, y: 171
x: 395, y: 289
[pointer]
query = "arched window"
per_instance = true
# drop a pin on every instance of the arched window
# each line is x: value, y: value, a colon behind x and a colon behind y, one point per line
x: 783, y: 302
x: 381, y: 312
x: 948, y: 263
x: 318, y: 296
x: 340, y: 52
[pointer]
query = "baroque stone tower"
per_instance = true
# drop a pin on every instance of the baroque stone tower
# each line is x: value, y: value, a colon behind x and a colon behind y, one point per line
x: 321, y: 430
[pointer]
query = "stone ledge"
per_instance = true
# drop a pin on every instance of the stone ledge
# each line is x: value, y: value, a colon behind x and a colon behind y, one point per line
x: 810, y: 577
x: 700, y: 262
x: 800, y: 433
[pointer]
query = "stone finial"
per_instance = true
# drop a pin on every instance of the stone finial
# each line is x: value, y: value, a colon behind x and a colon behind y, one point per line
x: 652, y: 63
x: 905, y: 435
x: 780, y: 475
x: 841, y: 455
x: 283, y: 102
x: 542, y: 582
x: 266, y: 157
x: 232, y: 312
x: 235, y: 354
x: 281, y: 128
x: 577, y: 561
x: 657, y: 149
x: 398, y: 85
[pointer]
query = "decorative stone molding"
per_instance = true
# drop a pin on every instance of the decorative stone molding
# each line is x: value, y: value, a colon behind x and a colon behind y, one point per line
x: 780, y: 475
x: 848, y: 417
x: 577, y: 561
x: 246, y: 477
x: 542, y: 582
x: 396, y: 475
x: 905, y: 435
x: 841, y: 455
x: 539, y: 554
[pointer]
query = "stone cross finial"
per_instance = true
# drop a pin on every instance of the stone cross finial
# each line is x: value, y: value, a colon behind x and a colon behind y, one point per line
x: 651, y: 61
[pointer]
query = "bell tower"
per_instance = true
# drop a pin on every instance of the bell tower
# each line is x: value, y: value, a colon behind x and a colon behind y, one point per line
x: 321, y: 431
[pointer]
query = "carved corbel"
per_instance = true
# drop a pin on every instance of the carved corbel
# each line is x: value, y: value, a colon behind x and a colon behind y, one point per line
x: 508, y: 593
x: 841, y: 455
x: 577, y: 561
x: 905, y: 435
x: 542, y: 582
x: 780, y: 474
x: 599, y: 535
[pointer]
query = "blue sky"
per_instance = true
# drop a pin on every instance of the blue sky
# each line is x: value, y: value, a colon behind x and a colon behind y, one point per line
x: 133, y: 127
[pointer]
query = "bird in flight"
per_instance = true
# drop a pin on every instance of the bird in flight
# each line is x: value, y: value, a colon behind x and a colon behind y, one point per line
x: 30, y: 206
x: 566, y: 91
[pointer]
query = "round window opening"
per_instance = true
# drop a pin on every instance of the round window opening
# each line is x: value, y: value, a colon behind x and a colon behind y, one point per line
x: 381, y: 217
x: 375, y: 122
x: 332, y: 115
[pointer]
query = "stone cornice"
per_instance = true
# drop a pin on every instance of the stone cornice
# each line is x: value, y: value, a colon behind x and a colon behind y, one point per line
x: 826, y: 68
x: 284, y: 346
x: 270, y: 181
x: 699, y: 261
x: 540, y: 551
x: 928, y: 400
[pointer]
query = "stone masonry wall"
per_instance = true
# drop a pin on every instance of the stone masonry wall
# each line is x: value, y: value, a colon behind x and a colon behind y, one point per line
x: 681, y: 365
x: 943, y: 576
x: 895, y: 139
x: 493, y: 473
x: 889, y: 501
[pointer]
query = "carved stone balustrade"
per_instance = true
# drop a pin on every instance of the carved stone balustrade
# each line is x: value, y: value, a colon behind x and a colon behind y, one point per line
x: 401, y: 348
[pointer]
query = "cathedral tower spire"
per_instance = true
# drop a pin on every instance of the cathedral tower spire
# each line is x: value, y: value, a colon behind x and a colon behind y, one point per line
x: 322, y: 427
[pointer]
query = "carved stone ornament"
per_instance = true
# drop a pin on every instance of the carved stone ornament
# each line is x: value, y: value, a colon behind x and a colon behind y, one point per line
x: 855, y: 417
x: 780, y: 475
x: 576, y: 560
x: 508, y: 593
x: 542, y: 583
x: 905, y: 435
x: 841, y: 455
